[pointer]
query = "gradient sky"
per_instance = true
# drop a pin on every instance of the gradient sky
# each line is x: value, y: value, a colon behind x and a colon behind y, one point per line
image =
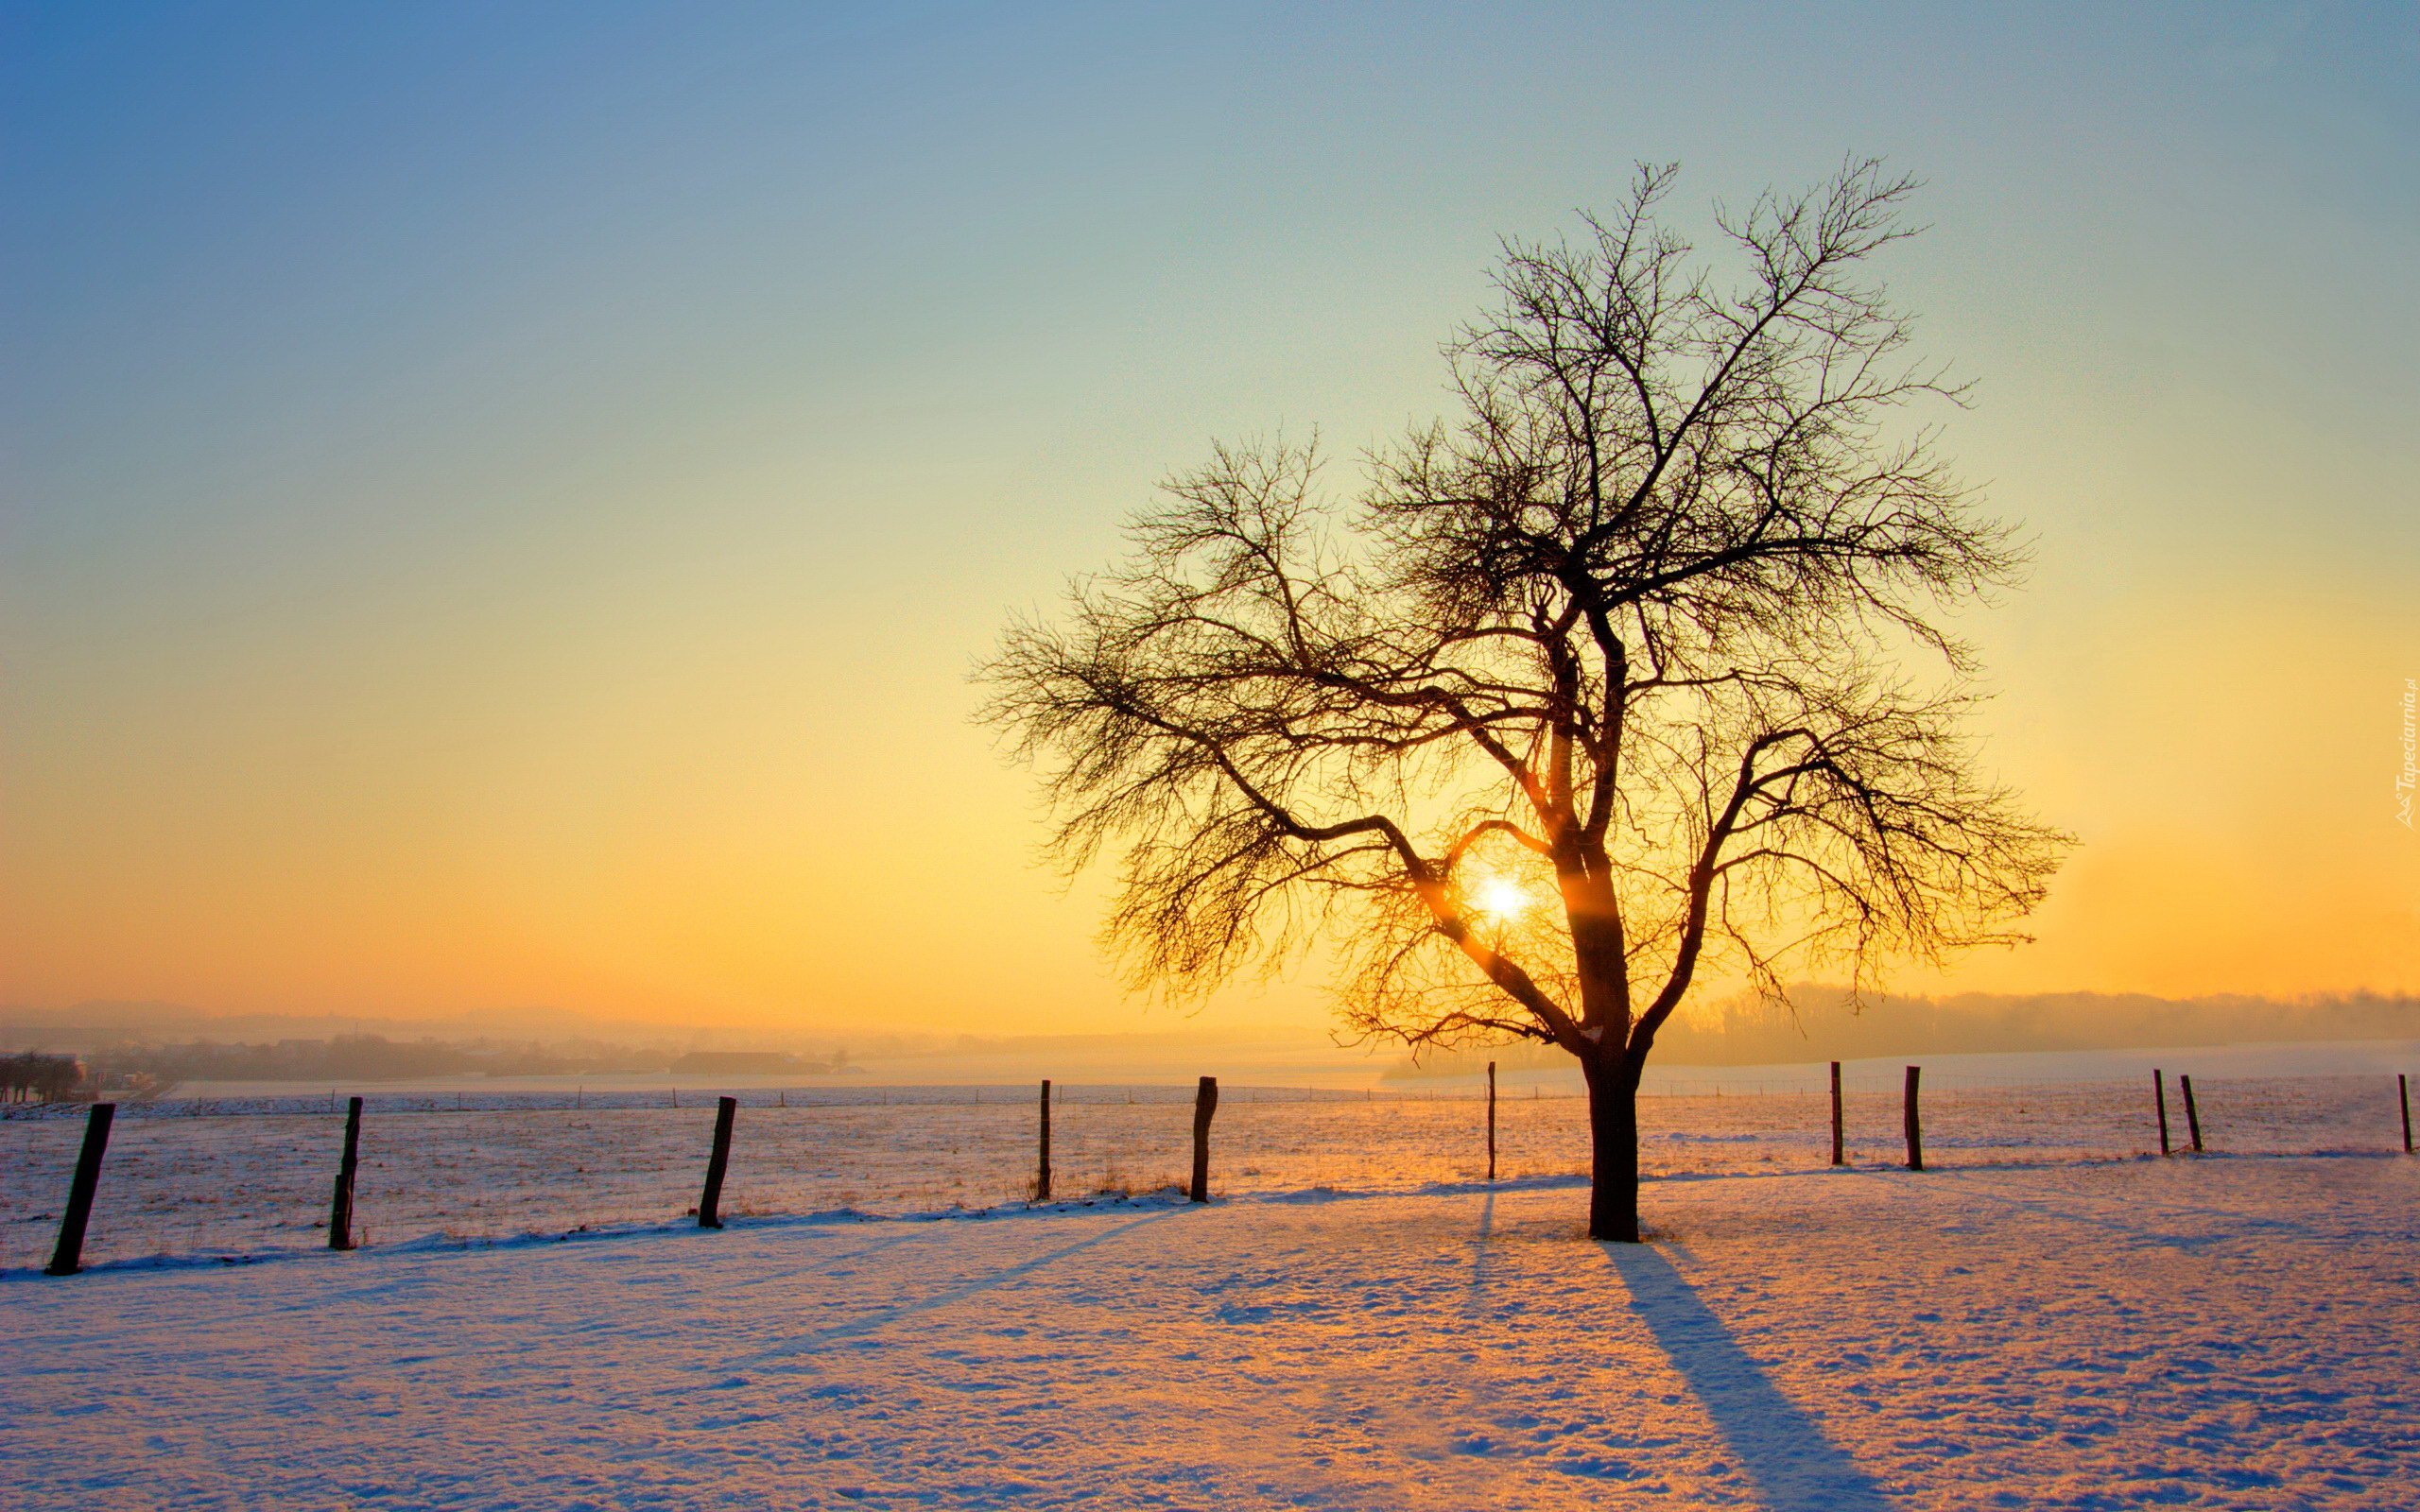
x: 499, y: 502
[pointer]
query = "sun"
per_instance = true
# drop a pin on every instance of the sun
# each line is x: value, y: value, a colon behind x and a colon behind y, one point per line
x: 1500, y: 898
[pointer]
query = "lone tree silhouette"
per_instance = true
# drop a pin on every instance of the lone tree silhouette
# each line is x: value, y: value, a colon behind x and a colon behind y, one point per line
x: 1608, y: 685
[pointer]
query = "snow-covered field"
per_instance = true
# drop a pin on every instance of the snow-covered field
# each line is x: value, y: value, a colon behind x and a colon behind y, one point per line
x: 2229, y: 1331
x: 248, y: 1178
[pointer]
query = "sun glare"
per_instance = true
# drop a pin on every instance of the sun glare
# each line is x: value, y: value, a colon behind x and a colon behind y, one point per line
x: 1500, y: 898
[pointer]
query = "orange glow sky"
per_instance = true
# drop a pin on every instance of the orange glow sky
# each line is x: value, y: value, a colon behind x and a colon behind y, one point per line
x: 498, y: 511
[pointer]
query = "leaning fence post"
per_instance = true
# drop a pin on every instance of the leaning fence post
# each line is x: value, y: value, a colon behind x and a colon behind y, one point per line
x: 1491, y: 1120
x: 1042, y: 1177
x: 2403, y: 1095
x: 340, y: 1209
x: 1205, y: 1102
x: 710, y: 1205
x: 1915, y: 1122
x: 2159, y: 1101
x: 2192, y: 1114
x: 68, y: 1258
x: 1838, y: 1152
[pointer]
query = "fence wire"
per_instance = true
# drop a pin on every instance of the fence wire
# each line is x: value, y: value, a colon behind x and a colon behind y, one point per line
x: 243, y: 1178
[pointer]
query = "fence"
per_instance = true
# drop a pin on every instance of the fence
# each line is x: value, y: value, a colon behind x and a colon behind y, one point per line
x: 243, y: 1178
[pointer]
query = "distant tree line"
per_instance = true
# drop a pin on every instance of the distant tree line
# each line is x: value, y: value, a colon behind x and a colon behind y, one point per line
x: 374, y: 1058
x: 1826, y: 1023
x: 759, y: 1063
x: 31, y: 1076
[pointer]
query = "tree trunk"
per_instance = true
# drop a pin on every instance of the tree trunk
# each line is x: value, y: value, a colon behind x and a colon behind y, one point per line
x: 1613, y: 1129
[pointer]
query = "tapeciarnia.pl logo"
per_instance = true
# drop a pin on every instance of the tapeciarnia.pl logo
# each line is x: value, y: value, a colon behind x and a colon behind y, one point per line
x: 2404, y: 779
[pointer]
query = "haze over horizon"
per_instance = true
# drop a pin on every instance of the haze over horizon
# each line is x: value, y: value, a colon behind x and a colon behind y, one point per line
x: 499, y: 509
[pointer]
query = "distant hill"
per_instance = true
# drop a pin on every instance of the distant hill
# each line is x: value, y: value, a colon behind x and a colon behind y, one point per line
x: 1823, y: 1023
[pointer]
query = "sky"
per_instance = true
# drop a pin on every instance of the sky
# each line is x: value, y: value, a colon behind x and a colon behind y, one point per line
x: 498, y: 504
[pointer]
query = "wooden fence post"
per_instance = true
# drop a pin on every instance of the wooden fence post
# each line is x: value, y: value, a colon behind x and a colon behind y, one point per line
x: 1839, y: 1152
x: 710, y: 1205
x: 69, y: 1257
x: 1491, y: 1121
x: 340, y: 1209
x: 1042, y: 1177
x: 2192, y: 1114
x: 2159, y: 1101
x: 1915, y: 1122
x: 2403, y: 1095
x: 1205, y: 1102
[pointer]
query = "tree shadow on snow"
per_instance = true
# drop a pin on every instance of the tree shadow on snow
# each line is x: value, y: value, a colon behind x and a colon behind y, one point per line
x: 1794, y: 1467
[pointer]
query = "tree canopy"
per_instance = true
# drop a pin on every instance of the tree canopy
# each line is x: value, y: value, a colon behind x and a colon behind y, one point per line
x: 1636, y: 668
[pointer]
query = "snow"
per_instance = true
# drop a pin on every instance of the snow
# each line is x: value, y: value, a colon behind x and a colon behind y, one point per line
x: 186, y: 1178
x: 2036, y: 1328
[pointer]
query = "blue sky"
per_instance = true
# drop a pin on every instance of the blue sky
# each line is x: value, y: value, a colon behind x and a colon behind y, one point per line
x: 476, y: 473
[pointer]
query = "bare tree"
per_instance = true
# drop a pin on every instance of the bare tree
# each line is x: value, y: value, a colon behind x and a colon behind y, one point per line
x: 1609, y: 685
